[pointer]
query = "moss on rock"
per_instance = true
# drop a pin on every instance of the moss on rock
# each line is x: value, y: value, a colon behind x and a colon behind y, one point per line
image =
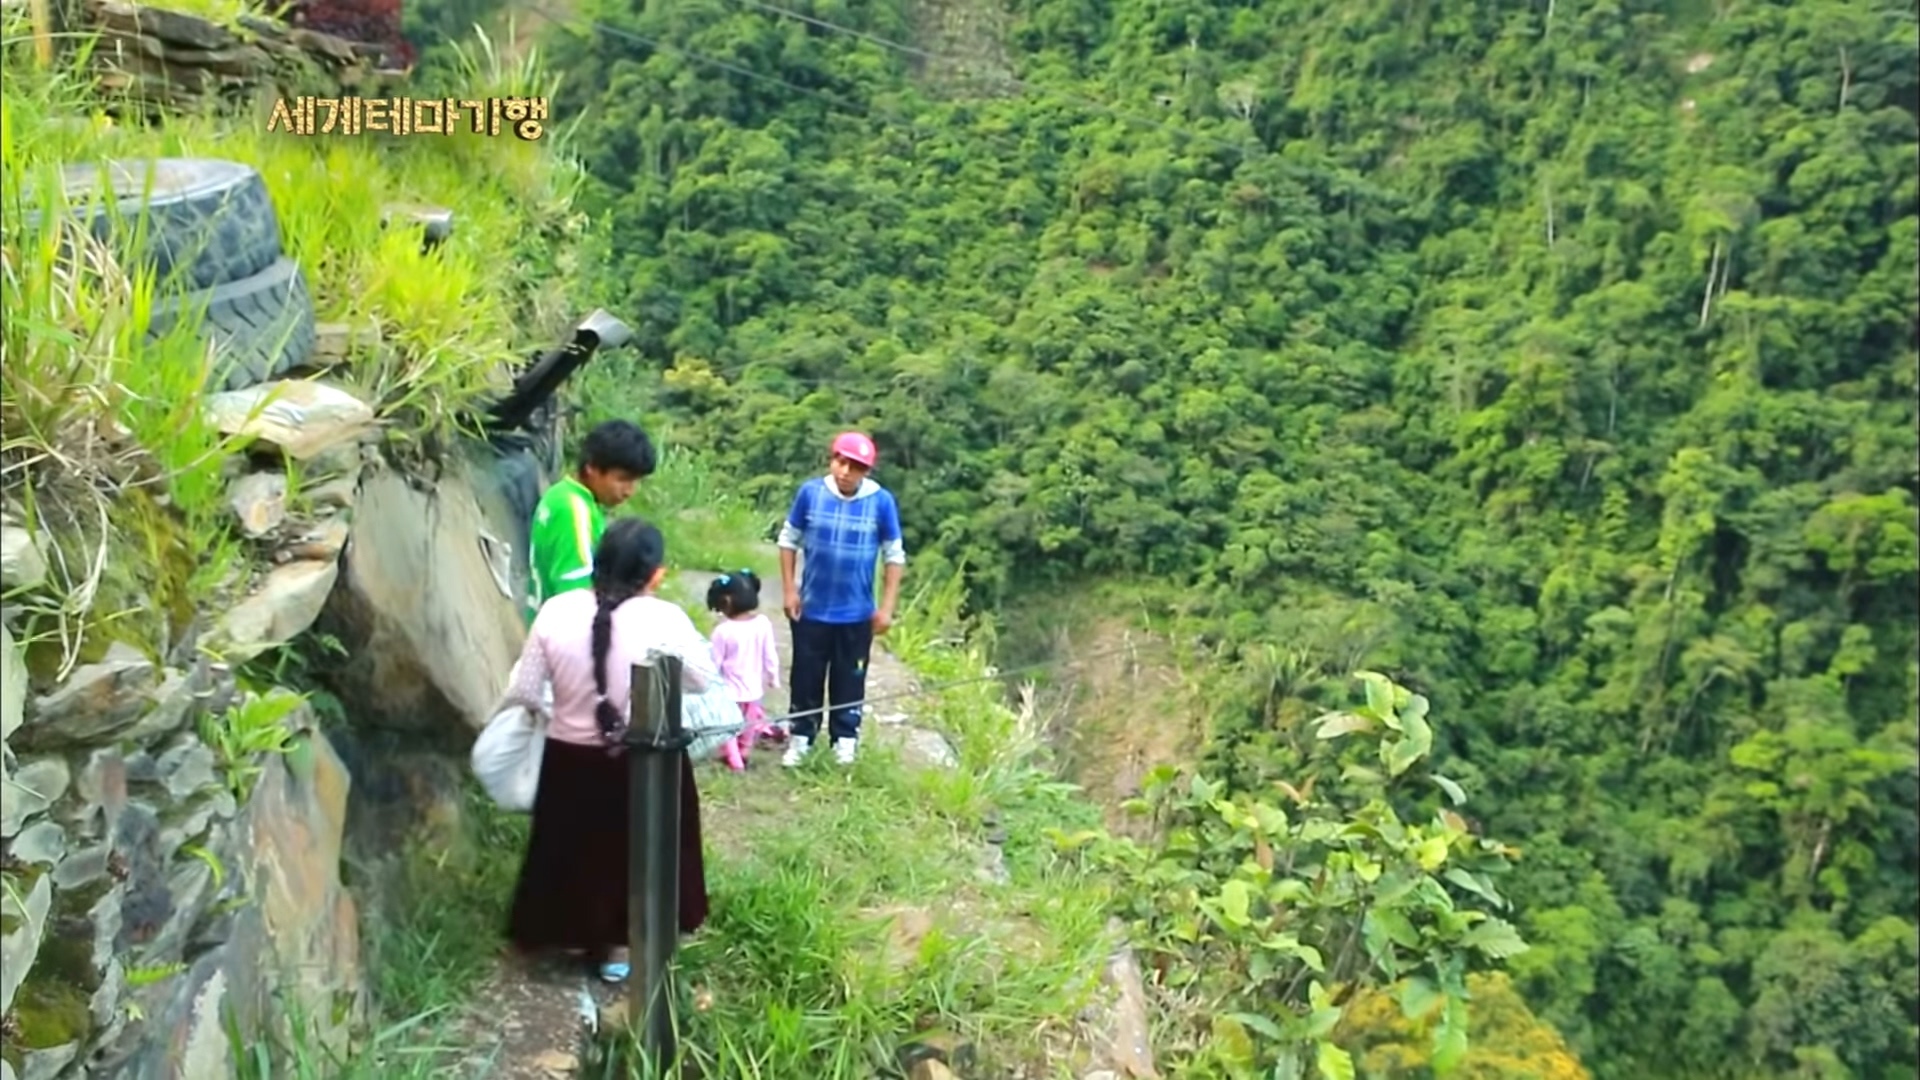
x: 49, y: 1012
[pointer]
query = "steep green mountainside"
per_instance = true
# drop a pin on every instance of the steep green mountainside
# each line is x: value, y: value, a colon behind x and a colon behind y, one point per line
x: 1557, y: 358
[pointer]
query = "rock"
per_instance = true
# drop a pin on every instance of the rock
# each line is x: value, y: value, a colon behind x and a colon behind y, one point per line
x: 42, y: 842
x: 101, y: 791
x: 208, y: 1051
x: 13, y: 685
x: 302, y: 419
x: 335, y: 494
x: 935, y: 1055
x: 993, y: 866
x: 173, y: 704
x: 1127, y: 1044
x: 36, y: 786
x: 98, y: 701
x: 168, y: 26
x: 47, y: 1064
x: 297, y: 827
x: 191, y: 886
x: 335, y: 341
x: 21, y: 564
x: 144, y: 900
x: 325, y: 540
x: 259, y: 500
x: 19, y: 948
x: 429, y: 638
x: 187, y: 767
x: 217, y: 805
x: 82, y: 868
x: 285, y: 605
x: 919, y: 747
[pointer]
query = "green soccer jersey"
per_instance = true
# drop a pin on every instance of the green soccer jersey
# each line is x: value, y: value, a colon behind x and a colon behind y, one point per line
x: 566, y: 528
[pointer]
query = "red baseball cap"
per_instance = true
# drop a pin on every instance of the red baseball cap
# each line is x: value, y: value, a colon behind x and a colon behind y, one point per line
x: 856, y: 448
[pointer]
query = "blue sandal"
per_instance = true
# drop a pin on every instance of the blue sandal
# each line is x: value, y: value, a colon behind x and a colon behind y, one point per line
x: 615, y: 973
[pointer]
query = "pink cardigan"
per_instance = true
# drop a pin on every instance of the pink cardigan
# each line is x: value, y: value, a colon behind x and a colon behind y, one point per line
x: 560, y: 648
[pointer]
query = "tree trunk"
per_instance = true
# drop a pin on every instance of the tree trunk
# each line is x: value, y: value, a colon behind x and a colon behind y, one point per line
x: 1706, y: 299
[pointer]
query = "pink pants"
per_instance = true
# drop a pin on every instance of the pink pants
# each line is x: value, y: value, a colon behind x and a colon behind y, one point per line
x: 735, y: 750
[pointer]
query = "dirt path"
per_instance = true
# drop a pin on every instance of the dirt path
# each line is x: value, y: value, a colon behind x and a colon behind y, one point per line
x: 531, y: 1021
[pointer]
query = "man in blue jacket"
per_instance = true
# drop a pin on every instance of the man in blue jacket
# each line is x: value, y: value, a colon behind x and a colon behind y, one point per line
x: 847, y: 524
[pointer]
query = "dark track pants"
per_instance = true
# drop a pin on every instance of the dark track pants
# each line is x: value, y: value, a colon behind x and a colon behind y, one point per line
x: 829, y: 660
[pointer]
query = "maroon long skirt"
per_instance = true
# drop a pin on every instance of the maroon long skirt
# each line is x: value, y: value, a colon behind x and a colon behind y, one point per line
x: 572, y: 892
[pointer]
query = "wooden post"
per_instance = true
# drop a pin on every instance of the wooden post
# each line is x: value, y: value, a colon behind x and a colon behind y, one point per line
x: 653, y: 742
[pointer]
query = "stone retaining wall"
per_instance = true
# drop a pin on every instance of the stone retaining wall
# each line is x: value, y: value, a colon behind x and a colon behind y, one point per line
x: 163, y: 879
x: 160, y: 59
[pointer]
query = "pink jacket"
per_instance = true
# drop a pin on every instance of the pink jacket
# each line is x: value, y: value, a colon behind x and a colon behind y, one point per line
x: 560, y: 649
x: 748, y: 656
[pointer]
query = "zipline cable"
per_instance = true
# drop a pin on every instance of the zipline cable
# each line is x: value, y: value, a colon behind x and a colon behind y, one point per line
x: 854, y: 108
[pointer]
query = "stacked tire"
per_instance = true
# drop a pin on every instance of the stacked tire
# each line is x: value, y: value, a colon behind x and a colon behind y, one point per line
x: 213, y: 240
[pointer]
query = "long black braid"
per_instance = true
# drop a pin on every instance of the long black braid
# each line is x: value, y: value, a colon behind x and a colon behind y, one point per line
x: 630, y: 553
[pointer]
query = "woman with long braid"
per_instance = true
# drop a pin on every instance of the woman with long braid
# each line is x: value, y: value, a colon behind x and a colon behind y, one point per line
x: 572, y: 893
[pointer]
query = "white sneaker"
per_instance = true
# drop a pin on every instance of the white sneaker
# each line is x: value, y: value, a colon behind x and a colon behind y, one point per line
x: 797, y: 748
x: 843, y: 750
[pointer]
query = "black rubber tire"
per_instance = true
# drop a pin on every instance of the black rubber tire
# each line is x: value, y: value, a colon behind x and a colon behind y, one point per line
x: 209, y: 222
x: 260, y: 327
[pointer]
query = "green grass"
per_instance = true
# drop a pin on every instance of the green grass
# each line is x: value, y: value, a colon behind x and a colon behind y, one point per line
x: 105, y: 449
x: 850, y: 911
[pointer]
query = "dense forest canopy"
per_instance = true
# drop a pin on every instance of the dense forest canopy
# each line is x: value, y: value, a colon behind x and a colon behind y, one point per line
x: 1557, y: 355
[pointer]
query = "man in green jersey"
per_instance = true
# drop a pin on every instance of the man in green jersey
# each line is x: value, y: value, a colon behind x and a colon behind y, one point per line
x: 571, y: 515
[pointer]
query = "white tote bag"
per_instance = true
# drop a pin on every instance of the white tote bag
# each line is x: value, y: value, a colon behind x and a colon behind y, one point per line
x: 506, y: 756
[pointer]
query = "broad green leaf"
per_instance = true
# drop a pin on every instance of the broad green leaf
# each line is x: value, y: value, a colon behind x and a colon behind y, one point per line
x: 1395, y: 925
x: 1234, y: 902
x: 1269, y: 819
x: 1290, y: 945
x: 1286, y: 1065
x: 1431, y: 853
x: 1454, y: 791
x: 1334, y: 725
x: 1475, y: 884
x: 1450, y: 1038
x: 1399, y: 755
x: 1418, y: 996
x: 1334, y: 1063
x: 1289, y: 891
x: 1360, y: 774
x: 1260, y: 1024
x: 1202, y: 790
x: 1321, y: 1022
x: 1495, y: 938
x: 1415, y: 708
x: 1416, y: 744
x: 1231, y: 1042
x: 1380, y: 698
